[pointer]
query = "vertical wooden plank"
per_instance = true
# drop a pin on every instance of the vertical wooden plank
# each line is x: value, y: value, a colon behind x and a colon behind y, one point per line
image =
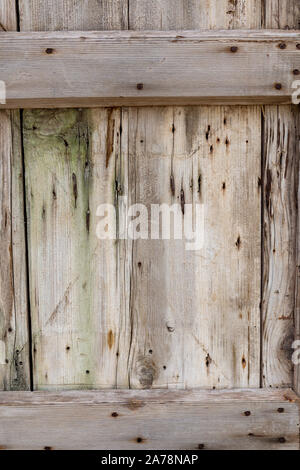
x: 194, y: 14
x: 281, y: 167
x: 195, y: 318
x: 76, y: 280
x: 195, y: 314
x: 61, y: 15
x: 14, y: 345
x: 297, y: 291
x: 281, y: 14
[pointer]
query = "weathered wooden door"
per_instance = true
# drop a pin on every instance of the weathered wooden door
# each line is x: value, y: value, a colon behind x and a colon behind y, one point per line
x: 78, y: 313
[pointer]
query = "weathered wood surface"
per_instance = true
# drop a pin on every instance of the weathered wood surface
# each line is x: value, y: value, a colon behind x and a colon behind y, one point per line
x: 93, y: 69
x: 118, y: 315
x: 109, y: 322
x: 283, y: 14
x: 194, y: 14
x: 62, y: 15
x: 281, y: 164
x: 76, y: 280
x: 196, y: 318
x: 297, y: 287
x: 250, y: 419
x: 280, y: 314
x: 182, y: 301
x: 14, y: 346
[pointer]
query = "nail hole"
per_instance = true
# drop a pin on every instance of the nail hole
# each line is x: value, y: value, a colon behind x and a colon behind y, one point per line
x: 247, y: 413
x: 298, y: 46
x: 296, y: 72
x: 201, y: 446
x: 49, y: 50
x: 280, y: 410
x: 234, y: 48
x: 278, y: 86
x: 140, y: 86
x: 47, y: 448
x: 87, y: 371
x: 282, y: 440
x: 114, y: 414
x: 282, y: 45
x: 139, y: 439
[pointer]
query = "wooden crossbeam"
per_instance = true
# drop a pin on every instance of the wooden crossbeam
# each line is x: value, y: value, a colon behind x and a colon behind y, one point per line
x: 69, y: 69
x: 150, y: 419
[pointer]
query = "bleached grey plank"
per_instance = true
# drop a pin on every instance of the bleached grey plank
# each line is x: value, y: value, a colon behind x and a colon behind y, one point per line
x: 75, y: 278
x: 14, y: 338
x: 94, y: 69
x: 280, y: 295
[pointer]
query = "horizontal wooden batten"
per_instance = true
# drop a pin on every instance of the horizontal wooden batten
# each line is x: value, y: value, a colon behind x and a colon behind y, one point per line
x: 69, y: 69
x: 150, y: 419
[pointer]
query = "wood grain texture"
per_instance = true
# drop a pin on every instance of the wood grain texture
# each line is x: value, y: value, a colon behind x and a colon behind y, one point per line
x: 183, y: 301
x: 141, y: 397
x: 8, y: 21
x: 194, y: 14
x: 280, y: 225
x: 73, y: 15
x: 297, y: 290
x: 281, y: 172
x: 281, y: 14
x: 112, y: 335
x: 200, y: 319
x: 14, y: 346
x: 251, y: 419
x: 75, y: 280
x: 50, y: 69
